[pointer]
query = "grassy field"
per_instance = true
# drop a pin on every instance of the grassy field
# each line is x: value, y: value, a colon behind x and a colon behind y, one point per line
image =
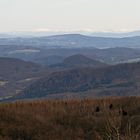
x: 114, y: 118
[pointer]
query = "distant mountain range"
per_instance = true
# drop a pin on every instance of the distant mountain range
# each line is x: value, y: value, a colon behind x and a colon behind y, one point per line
x: 57, y: 55
x: 32, y: 67
x: 97, y: 34
x: 116, y: 34
x: 72, y: 41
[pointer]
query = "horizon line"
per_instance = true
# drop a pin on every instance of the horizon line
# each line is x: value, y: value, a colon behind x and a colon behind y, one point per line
x: 71, y: 31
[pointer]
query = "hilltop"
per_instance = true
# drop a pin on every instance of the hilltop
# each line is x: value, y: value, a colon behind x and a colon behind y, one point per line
x: 79, y: 60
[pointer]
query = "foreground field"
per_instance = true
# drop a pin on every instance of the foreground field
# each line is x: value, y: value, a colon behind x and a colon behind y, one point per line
x: 114, y: 118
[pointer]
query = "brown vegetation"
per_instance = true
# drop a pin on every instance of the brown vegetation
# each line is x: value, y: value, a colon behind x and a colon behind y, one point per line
x: 118, y: 80
x: 71, y: 119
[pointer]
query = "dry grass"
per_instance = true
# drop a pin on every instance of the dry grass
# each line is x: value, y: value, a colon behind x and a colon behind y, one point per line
x: 71, y: 119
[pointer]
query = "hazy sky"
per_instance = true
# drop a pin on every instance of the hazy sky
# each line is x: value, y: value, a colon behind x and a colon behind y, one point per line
x: 69, y: 15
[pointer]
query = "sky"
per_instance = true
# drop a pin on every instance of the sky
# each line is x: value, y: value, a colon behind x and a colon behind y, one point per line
x: 69, y: 15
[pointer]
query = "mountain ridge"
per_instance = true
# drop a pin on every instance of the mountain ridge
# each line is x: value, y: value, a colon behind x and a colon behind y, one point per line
x: 73, y: 41
x: 79, y: 60
x: 115, y: 80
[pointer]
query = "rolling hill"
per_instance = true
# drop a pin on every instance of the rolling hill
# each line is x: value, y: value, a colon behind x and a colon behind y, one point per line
x: 15, y: 74
x: 57, y: 55
x: 15, y: 69
x: 78, y: 60
x: 116, y: 80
